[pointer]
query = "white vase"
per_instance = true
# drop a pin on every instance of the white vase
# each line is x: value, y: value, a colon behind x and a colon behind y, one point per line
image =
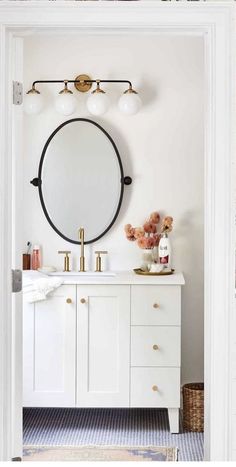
x: 146, y: 259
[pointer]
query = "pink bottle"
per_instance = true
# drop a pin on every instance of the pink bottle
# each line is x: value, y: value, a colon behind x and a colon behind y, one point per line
x: 36, y: 257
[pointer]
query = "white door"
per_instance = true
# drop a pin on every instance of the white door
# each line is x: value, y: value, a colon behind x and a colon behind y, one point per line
x: 17, y: 249
x: 103, y: 360
x: 49, y: 349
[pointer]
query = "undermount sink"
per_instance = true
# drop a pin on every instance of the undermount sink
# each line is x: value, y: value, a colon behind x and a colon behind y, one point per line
x: 86, y: 273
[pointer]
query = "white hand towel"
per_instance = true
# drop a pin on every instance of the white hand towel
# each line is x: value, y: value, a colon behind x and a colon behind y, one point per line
x: 30, y: 276
x: 40, y: 289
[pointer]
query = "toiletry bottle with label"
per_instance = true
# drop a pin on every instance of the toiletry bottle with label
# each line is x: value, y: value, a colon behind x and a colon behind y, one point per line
x: 36, y: 257
x: 164, y: 250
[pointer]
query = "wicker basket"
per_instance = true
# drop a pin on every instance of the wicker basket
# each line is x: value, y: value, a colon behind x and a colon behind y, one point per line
x: 193, y: 404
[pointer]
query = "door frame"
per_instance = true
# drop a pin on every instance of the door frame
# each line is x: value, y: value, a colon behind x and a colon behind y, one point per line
x: 214, y: 21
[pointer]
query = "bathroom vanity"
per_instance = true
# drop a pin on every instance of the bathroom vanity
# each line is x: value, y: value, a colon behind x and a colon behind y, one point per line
x: 98, y: 341
x: 105, y: 342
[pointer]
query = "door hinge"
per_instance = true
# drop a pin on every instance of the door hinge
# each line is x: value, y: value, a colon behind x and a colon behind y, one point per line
x: 17, y: 93
x: 16, y: 280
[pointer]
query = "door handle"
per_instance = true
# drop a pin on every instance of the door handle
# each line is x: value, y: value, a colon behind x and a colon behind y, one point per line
x: 16, y: 280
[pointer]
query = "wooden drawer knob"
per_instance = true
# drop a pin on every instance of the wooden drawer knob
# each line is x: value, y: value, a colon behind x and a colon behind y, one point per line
x: 82, y: 300
x: 155, y: 305
x: 154, y: 388
x: 155, y: 347
x: 68, y: 300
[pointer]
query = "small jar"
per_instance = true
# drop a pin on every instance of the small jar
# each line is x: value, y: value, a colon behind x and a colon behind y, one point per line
x: 36, y: 258
x: 146, y: 259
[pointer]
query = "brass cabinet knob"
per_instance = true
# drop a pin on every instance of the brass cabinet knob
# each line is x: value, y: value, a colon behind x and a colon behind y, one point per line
x: 155, y: 347
x: 155, y: 305
x: 82, y: 300
x: 154, y: 388
x: 68, y: 300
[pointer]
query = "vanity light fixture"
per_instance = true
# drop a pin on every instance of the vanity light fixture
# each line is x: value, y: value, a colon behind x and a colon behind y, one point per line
x: 33, y: 102
x: 97, y: 103
x: 65, y: 103
x: 130, y: 102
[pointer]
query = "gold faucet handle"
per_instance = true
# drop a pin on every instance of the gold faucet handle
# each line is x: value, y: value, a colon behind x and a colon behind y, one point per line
x: 99, y: 260
x: 66, y: 259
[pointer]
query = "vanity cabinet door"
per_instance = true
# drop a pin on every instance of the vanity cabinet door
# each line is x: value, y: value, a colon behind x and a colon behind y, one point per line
x: 49, y: 350
x: 103, y: 341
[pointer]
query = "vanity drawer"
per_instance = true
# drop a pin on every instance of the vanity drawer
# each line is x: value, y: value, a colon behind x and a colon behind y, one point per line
x: 155, y: 387
x: 155, y: 346
x: 156, y: 305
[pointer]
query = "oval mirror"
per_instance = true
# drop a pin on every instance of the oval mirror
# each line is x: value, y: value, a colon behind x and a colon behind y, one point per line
x: 80, y: 180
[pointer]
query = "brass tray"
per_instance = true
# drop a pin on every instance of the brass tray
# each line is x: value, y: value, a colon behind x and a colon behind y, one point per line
x: 147, y: 273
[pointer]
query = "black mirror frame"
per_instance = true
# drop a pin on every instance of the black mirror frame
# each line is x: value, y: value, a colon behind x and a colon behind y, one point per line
x: 37, y: 182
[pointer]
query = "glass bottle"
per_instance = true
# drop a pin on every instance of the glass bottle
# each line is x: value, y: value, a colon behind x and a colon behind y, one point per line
x: 36, y: 258
x: 164, y: 250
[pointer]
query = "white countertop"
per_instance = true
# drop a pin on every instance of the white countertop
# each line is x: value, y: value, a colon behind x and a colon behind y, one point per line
x: 120, y: 278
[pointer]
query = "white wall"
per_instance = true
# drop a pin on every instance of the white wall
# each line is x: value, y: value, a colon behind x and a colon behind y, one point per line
x: 162, y: 148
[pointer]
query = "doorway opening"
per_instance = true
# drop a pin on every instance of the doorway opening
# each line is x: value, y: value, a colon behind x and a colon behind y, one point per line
x: 172, y: 141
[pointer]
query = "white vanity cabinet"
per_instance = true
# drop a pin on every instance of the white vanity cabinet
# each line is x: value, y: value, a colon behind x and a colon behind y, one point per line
x: 49, y: 343
x: 155, y: 348
x: 103, y: 345
x: 106, y: 342
x: 76, y: 348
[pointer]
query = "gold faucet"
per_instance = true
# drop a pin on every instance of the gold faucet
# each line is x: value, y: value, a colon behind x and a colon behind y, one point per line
x: 82, y: 257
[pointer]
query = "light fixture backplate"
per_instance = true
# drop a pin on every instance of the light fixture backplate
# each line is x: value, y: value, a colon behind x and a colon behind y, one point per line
x: 82, y: 86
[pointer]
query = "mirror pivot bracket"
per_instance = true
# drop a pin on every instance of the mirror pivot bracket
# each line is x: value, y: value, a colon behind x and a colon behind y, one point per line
x: 36, y: 181
x: 127, y: 180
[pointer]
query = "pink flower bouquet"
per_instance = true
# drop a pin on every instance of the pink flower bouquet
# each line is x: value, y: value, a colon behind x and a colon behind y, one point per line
x: 147, y: 236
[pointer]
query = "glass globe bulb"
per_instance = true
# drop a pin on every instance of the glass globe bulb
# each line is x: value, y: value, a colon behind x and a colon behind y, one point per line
x: 130, y: 103
x: 65, y: 103
x: 98, y: 103
x: 33, y: 103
